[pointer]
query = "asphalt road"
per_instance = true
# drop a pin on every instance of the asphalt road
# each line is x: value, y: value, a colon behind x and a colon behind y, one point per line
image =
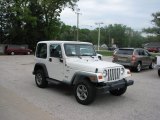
x: 140, y: 102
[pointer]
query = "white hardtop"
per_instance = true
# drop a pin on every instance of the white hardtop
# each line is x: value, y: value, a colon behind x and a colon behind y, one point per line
x: 63, y: 42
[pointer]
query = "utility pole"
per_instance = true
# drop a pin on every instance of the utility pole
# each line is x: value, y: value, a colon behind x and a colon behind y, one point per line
x: 78, y: 13
x: 99, y: 33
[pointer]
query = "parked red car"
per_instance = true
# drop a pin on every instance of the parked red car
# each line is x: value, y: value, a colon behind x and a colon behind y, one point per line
x: 153, y: 49
x: 13, y: 51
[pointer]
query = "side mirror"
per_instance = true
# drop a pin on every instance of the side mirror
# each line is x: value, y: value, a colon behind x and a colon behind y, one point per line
x: 149, y: 54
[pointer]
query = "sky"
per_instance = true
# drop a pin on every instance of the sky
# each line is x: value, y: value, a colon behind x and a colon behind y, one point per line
x: 132, y: 13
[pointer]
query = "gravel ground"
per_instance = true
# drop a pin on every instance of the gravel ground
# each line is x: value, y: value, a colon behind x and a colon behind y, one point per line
x: 140, y: 102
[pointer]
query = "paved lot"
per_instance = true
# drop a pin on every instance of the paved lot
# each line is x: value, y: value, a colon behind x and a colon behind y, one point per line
x: 140, y: 102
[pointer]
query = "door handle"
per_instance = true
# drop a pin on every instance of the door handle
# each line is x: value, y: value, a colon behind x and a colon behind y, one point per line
x: 61, y: 60
x: 50, y: 59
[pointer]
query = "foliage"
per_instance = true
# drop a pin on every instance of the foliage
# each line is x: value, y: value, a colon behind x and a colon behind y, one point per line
x: 106, y: 53
x: 154, y: 32
x: 29, y: 21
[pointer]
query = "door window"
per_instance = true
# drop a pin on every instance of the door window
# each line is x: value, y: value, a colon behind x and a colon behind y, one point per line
x: 55, y: 50
x: 41, y: 51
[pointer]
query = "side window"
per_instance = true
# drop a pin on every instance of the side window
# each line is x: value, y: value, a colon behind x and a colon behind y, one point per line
x: 146, y: 53
x: 41, y: 51
x: 141, y: 52
x: 55, y: 50
x: 136, y: 52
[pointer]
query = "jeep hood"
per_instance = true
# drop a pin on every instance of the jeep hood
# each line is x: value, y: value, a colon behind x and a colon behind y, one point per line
x: 89, y: 64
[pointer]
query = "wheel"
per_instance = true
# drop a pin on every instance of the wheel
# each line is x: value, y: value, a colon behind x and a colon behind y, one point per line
x: 28, y: 53
x: 119, y: 91
x: 151, y: 66
x: 99, y: 57
x: 159, y: 72
x: 12, y: 53
x: 84, y: 92
x: 40, y: 79
x: 138, y: 67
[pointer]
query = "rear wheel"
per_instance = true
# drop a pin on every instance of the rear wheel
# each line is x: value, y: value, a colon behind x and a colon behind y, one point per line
x: 40, y: 79
x: 119, y: 91
x: 84, y: 92
x: 138, y: 68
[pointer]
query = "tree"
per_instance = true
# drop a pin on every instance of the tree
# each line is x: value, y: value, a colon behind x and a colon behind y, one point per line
x: 29, y: 21
x: 154, y: 32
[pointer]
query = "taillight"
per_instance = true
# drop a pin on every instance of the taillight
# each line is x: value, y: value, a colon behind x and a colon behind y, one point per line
x: 133, y: 58
x: 114, y: 58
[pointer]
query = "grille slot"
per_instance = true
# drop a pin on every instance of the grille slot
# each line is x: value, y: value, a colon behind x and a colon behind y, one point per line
x: 113, y: 74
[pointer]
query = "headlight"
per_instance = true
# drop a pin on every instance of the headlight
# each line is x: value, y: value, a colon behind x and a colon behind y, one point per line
x: 104, y: 73
x: 122, y: 71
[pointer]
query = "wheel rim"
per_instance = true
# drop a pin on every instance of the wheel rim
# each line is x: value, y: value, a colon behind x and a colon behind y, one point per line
x: 28, y: 53
x: 38, y: 78
x: 139, y: 67
x: 82, y: 92
x: 12, y: 53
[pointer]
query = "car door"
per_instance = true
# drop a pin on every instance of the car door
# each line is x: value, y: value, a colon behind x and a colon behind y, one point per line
x: 145, y: 58
x: 148, y: 58
x: 55, y: 64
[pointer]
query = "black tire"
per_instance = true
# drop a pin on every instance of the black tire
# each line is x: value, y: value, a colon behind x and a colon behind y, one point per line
x: 84, y: 92
x: 159, y: 72
x: 138, y: 68
x: 40, y: 79
x: 99, y: 57
x: 151, y: 66
x: 119, y: 91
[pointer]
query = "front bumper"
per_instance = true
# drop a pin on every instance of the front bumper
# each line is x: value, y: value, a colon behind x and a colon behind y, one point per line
x: 102, y: 89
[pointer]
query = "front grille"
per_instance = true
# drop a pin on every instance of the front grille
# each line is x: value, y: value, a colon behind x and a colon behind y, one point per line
x: 113, y: 74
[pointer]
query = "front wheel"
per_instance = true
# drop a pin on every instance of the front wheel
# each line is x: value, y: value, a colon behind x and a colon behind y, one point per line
x: 119, y: 91
x: 99, y: 57
x: 151, y: 66
x: 159, y: 72
x: 84, y: 92
x: 40, y: 79
x: 28, y: 53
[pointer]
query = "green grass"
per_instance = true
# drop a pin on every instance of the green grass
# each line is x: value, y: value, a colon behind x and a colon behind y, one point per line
x: 155, y: 54
x: 105, y: 53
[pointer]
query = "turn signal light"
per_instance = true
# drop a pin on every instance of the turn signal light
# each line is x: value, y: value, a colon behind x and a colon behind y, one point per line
x: 100, y: 77
x: 133, y: 58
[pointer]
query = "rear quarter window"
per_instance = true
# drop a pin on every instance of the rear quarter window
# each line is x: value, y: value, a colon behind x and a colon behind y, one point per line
x: 125, y: 51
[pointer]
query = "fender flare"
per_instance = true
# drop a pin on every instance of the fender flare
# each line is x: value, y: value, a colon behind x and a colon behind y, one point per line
x: 78, y: 76
x: 40, y: 66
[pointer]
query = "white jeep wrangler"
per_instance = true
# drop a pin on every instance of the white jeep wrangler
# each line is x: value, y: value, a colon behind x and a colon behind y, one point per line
x: 76, y: 64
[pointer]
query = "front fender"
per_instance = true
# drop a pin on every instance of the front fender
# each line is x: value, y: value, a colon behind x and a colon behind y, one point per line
x: 84, y: 75
x: 40, y: 66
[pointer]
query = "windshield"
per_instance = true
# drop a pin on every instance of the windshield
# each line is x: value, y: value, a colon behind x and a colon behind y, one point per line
x: 79, y: 50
